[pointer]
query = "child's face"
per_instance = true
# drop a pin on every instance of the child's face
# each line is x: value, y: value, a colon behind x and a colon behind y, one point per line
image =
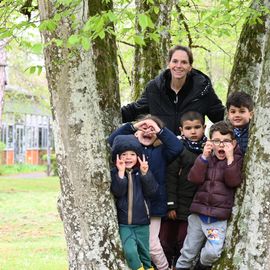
x: 193, y: 130
x: 239, y: 117
x: 130, y: 158
x: 145, y: 137
x: 221, y: 143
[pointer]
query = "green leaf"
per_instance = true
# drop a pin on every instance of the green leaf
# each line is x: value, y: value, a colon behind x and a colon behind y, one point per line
x: 32, y: 69
x: 86, y: 43
x: 101, y: 34
x: 139, y: 40
x: 73, y: 39
x: 39, y: 69
x: 143, y: 21
x: 37, y: 48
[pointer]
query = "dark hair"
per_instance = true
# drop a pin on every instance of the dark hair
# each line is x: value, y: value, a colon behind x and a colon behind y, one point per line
x: 181, y: 48
x: 152, y: 117
x: 240, y: 99
x: 223, y: 127
x: 191, y: 116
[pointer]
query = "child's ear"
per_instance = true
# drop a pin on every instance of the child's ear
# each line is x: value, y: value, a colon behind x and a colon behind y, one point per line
x: 136, y: 134
x: 181, y: 130
x: 234, y: 143
x: 251, y: 114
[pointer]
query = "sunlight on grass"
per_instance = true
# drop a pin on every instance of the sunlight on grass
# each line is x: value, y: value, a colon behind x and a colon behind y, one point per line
x: 31, y: 232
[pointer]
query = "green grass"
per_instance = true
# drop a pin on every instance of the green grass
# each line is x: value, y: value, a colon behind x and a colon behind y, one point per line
x: 31, y: 232
x: 20, y: 168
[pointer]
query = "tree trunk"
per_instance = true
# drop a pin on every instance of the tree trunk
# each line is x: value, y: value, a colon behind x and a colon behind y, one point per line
x: 84, y: 111
x: 150, y: 59
x: 248, y: 237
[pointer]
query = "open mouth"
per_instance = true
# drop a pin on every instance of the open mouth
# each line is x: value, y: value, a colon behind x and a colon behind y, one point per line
x: 221, y: 152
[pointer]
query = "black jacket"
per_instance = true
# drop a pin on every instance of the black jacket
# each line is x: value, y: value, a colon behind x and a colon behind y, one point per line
x: 180, y: 190
x: 197, y: 94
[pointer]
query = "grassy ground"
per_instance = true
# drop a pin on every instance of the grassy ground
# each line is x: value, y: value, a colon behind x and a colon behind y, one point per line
x: 31, y: 232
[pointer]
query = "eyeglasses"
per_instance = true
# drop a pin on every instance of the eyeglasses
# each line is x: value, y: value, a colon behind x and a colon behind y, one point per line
x: 218, y: 142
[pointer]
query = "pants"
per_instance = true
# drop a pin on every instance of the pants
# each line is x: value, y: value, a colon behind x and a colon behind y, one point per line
x: 135, y: 242
x: 197, y: 232
x: 172, y: 236
x: 156, y: 251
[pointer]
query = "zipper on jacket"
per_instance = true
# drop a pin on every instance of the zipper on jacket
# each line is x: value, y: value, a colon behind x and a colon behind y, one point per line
x: 130, y: 197
x: 147, y: 209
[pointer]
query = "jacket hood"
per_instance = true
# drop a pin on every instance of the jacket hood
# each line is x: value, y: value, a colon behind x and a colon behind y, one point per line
x: 122, y: 143
x: 201, y: 82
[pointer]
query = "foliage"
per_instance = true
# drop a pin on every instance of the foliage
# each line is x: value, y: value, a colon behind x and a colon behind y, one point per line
x: 31, y: 231
x: 20, y: 168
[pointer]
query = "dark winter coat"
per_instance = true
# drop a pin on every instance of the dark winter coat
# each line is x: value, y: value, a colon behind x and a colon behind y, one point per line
x: 158, y: 99
x: 158, y: 159
x: 132, y: 196
x: 217, y: 183
x: 242, y: 138
x: 181, y: 191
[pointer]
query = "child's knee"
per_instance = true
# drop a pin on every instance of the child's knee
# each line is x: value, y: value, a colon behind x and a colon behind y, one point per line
x: 210, y: 255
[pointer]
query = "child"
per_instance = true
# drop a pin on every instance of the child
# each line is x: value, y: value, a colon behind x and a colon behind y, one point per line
x: 160, y: 146
x: 240, y: 111
x: 180, y: 191
x: 132, y: 187
x: 217, y: 172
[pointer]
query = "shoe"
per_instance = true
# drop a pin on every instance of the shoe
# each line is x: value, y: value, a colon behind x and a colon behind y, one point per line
x: 200, y: 266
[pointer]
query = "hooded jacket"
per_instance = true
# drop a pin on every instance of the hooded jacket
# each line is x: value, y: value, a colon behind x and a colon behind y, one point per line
x: 157, y: 100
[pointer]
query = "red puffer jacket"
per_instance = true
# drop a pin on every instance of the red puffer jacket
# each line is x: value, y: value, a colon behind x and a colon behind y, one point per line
x: 218, y: 181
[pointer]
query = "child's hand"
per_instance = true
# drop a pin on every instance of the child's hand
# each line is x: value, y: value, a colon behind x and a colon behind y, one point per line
x: 141, y: 125
x: 121, y: 166
x: 152, y: 127
x: 143, y: 165
x: 229, y: 148
x: 207, y: 150
x: 172, y: 214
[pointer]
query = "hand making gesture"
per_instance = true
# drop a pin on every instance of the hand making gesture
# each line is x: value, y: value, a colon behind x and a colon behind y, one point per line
x: 207, y: 150
x: 228, y: 149
x: 143, y: 165
x: 121, y: 166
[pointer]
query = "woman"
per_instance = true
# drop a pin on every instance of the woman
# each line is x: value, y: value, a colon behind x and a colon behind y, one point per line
x: 178, y: 89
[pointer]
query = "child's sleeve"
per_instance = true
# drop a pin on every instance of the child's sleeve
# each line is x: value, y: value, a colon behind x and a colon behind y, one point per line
x: 119, y: 186
x: 149, y: 184
x: 172, y: 146
x: 172, y: 180
x: 233, y: 173
x: 198, y: 171
x: 125, y: 129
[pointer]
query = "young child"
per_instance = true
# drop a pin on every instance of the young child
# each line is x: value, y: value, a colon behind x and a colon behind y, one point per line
x: 217, y: 172
x: 180, y: 191
x: 160, y: 146
x: 240, y: 111
x: 132, y: 186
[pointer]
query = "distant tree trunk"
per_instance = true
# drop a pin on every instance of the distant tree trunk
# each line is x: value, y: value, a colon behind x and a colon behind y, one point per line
x: 150, y: 59
x: 248, y: 237
x: 85, y: 104
x: 3, y: 78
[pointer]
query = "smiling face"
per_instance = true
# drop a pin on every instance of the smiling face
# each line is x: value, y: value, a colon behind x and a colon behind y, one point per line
x: 239, y: 117
x: 193, y: 130
x: 130, y: 158
x: 220, y: 142
x: 179, y: 65
x: 145, y: 138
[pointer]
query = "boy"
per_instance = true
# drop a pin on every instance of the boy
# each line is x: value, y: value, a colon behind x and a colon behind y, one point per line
x: 160, y: 146
x: 240, y: 111
x: 217, y: 172
x: 132, y: 187
x: 180, y: 191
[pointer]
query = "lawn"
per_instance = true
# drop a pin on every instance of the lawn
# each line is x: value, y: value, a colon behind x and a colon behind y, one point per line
x: 31, y: 232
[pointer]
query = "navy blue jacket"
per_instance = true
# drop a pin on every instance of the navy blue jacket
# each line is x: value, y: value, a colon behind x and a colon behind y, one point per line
x: 158, y: 158
x: 242, y: 138
x: 132, y: 196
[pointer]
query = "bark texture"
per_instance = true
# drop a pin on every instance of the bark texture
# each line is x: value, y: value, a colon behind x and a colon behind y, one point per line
x: 84, y: 110
x: 248, y: 237
x: 150, y: 59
